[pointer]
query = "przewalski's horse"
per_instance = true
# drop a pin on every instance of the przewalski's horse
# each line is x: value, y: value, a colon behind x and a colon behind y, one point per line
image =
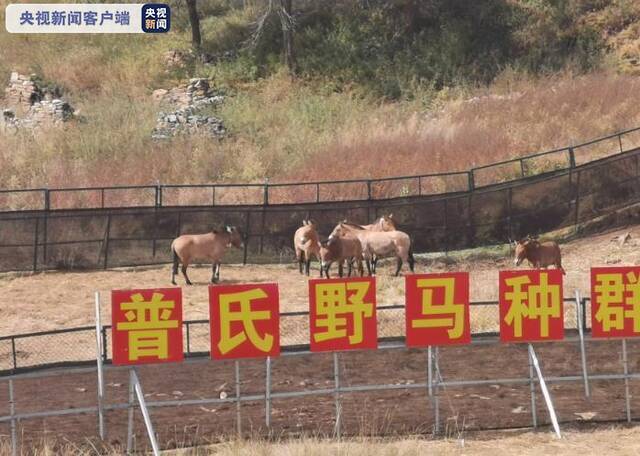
x: 210, y: 246
x: 377, y: 244
x: 384, y: 223
x: 338, y: 249
x: 538, y: 254
x: 306, y: 244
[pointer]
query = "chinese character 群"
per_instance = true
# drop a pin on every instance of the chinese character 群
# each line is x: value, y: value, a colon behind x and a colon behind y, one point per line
x: 616, y: 301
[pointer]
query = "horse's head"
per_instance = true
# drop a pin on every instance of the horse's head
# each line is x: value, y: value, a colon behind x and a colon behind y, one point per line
x: 523, y: 249
x: 340, y: 230
x: 387, y: 223
x: 235, y: 236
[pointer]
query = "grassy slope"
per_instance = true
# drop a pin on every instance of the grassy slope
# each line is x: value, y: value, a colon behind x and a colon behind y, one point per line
x: 289, y: 130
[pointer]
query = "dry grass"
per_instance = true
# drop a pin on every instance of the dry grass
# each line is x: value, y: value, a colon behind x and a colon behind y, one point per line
x: 612, y: 441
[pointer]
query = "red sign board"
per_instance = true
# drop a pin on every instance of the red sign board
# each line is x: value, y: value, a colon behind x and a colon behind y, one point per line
x: 146, y: 326
x: 531, y: 305
x: 615, y: 302
x: 343, y: 314
x: 245, y: 321
x: 437, y: 309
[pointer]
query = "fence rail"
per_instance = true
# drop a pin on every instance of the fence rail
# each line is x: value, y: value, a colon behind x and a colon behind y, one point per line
x: 172, y: 195
x: 33, y: 351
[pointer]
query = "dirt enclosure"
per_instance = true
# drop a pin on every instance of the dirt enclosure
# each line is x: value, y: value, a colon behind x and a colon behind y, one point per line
x: 406, y: 410
x: 61, y: 300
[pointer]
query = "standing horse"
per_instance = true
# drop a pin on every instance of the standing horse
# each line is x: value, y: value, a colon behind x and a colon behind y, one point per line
x: 306, y: 244
x: 210, y: 246
x: 379, y: 243
x: 538, y: 254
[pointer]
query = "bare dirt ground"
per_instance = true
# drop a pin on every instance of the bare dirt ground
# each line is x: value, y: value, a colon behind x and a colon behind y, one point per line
x: 55, y: 300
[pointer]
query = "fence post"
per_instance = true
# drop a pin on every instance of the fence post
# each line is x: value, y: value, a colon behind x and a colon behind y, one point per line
x: 620, y: 141
x: 266, y: 193
x: 572, y: 158
x: 188, y: 334
x: 532, y: 389
x: 13, y: 353
x: 625, y: 365
x: 145, y: 412
x: 583, y: 356
x: 106, y: 241
x: 577, y: 202
x: 267, y: 395
x: 130, y: 415
x: 436, y: 399
x: 470, y: 180
x: 509, y: 212
x: 247, y: 228
x: 545, y: 392
x: 12, y: 412
x: 47, y: 205
x: 35, y: 245
x: 238, y: 416
x: 213, y: 195
x: 101, y: 429
x: 445, y: 209
x: 369, y: 189
x: 317, y: 192
x: 105, y: 350
x: 522, y: 173
x: 102, y: 197
x: 336, y: 380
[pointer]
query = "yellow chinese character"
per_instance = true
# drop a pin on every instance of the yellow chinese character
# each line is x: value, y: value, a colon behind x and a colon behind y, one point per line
x: 150, y: 23
x: 537, y: 302
x: 610, y: 290
x: 331, y: 301
x: 247, y: 317
x: 633, y: 287
x: 147, y: 323
x: 453, y: 313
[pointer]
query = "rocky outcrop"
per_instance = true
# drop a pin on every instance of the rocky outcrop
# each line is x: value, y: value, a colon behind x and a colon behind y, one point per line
x: 184, y: 117
x: 28, y: 105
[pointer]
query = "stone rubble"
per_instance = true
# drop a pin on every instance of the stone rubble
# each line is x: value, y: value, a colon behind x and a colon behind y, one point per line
x: 186, y: 101
x: 31, y: 106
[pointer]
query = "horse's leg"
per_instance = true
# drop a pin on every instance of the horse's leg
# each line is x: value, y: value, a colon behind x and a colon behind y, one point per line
x: 399, y: 266
x: 217, y: 272
x: 307, y: 266
x: 326, y: 269
x: 184, y: 273
x: 174, y: 269
x: 300, y: 257
x: 368, y: 266
x: 341, y: 268
x: 213, y: 272
x: 350, y: 267
x: 360, y: 268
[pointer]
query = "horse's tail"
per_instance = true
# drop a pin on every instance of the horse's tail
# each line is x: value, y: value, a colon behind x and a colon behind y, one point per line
x: 412, y: 262
x: 175, y: 258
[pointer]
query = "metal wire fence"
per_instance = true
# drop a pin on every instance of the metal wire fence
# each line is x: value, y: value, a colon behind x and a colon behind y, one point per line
x: 25, y: 352
x: 104, y: 227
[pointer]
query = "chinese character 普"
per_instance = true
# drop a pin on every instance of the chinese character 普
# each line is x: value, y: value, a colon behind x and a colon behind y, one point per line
x: 147, y: 326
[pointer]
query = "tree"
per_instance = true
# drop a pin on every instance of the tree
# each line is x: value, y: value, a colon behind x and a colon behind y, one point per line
x: 194, y: 19
x: 287, y: 23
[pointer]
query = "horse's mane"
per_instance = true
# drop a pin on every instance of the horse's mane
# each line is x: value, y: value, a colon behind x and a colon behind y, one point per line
x: 353, y: 225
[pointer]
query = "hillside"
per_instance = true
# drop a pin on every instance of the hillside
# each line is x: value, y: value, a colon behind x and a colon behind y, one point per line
x: 381, y: 88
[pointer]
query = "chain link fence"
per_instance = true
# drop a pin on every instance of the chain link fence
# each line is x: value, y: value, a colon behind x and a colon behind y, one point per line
x: 103, y: 227
x: 25, y: 352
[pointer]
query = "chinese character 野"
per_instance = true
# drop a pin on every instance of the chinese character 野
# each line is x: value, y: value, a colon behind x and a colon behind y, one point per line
x: 615, y: 301
x: 343, y: 314
x: 147, y: 325
x: 437, y: 309
x: 244, y: 321
x: 531, y: 305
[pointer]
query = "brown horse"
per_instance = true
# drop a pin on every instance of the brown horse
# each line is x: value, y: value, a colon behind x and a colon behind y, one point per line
x: 210, y: 246
x: 306, y: 244
x: 379, y: 243
x: 538, y: 254
x: 340, y: 249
